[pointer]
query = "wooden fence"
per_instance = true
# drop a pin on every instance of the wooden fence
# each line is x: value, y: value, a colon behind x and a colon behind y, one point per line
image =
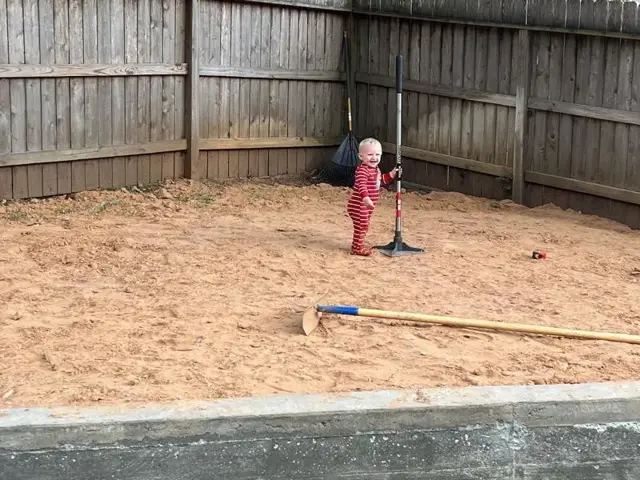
x: 533, y: 112
x: 108, y: 93
x: 536, y: 100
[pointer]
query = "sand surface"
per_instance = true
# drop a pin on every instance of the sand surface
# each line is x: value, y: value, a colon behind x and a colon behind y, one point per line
x: 196, y: 291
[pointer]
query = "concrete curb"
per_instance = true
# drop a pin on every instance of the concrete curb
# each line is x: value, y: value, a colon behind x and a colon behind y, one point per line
x: 586, y: 431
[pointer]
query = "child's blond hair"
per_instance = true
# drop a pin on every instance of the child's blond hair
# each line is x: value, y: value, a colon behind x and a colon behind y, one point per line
x: 369, y: 141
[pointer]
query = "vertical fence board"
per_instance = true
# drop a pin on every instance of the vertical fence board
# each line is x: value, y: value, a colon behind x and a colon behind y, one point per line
x: 594, y: 126
x: 70, y: 93
x: 603, y: 172
x: 503, y: 126
x: 549, y: 159
x: 622, y: 101
x: 205, y: 57
x: 224, y: 110
x: 632, y: 173
x: 131, y: 105
x: 181, y: 52
x: 211, y: 85
x: 335, y: 116
x: 468, y: 82
x: 301, y: 118
x: 318, y: 101
x: 33, y: 96
x: 274, y: 90
x: 105, y: 117
x: 362, y: 66
x: 460, y: 180
x: 6, y: 181
x: 91, y: 91
x: 144, y: 97
x: 255, y: 91
x: 118, y: 91
x: 457, y: 79
x: 564, y: 138
x: 309, y: 63
x: 412, y: 63
x: 391, y: 48
x: 48, y: 95
x: 446, y: 64
x: 18, y: 96
x: 382, y: 60
x: 540, y: 89
x: 234, y: 105
x: 293, y: 103
x: 264, y: 58
x: 244, y: 113
x: 435, y: 62
x: 478, y: 109
x: 490, y: 185
x: 283, y: 87
x: 205, y: 100
x: 523, y: 51
x: 493, y: 82
x: 168, y: 85
x: 378, y: 60
x: 403, y: 49
x: 579, y: 137
x: 155, y: 88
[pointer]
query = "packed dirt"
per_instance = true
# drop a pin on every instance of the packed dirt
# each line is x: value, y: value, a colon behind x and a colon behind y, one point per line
x: 196, y: 291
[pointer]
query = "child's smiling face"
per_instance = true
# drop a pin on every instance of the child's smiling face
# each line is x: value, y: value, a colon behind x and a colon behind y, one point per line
x: 370, y: 154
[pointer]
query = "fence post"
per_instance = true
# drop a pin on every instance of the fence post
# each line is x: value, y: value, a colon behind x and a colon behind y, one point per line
x: 522, y: 100
x: 192, y: 168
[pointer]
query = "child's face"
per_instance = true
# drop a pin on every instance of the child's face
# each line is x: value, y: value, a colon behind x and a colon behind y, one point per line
x: 370, y: 154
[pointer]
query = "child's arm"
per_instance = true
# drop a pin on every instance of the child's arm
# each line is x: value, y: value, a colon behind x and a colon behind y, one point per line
x: 360, y: 184
x: 389, y: 177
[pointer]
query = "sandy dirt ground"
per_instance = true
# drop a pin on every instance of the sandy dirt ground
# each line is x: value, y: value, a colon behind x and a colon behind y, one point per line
x: 196, y: 291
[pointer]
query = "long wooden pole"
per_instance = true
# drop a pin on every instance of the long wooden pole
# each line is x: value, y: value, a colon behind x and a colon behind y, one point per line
x: 483, y: 324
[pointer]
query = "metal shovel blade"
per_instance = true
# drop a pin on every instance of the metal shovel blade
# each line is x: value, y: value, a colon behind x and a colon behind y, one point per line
x: 310, y: 320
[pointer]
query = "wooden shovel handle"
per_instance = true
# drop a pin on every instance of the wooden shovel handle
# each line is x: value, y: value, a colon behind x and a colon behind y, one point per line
x: 484, y: 324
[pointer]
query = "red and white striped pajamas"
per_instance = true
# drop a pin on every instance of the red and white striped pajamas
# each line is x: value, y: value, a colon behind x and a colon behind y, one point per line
x: 368, y: 181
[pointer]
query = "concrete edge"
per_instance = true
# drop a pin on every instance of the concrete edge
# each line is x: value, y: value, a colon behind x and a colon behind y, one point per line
x: 326, y: 414
x: 322, y: 403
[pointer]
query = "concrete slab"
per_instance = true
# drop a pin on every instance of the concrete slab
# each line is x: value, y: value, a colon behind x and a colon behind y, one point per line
x: 589, y: 431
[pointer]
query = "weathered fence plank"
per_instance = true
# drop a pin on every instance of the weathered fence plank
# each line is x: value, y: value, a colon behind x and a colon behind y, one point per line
x: 523, y: 51
x: 193, y: 167
x: 48, y: 92
x: 6, y: 180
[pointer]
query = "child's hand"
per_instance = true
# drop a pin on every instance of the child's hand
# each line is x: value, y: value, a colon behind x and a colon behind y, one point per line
x: 368, y: 202
x: 396, y: 172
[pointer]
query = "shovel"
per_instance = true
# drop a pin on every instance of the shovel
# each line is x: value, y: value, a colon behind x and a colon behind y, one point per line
x: 311, y: 319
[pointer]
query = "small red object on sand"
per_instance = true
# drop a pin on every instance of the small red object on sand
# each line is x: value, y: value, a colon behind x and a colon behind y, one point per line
x: 539, y: 255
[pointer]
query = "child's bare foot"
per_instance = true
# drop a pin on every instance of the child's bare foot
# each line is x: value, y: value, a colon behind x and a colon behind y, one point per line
x: 363, y: 252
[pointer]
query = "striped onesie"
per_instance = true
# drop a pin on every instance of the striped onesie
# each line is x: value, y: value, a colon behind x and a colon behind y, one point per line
x: 368, y: 181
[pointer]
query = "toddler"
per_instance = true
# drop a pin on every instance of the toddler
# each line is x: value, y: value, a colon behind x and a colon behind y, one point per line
x: 366, y: 191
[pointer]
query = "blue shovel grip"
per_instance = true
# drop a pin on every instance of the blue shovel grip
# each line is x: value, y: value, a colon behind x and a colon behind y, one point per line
x: 337, y: 309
